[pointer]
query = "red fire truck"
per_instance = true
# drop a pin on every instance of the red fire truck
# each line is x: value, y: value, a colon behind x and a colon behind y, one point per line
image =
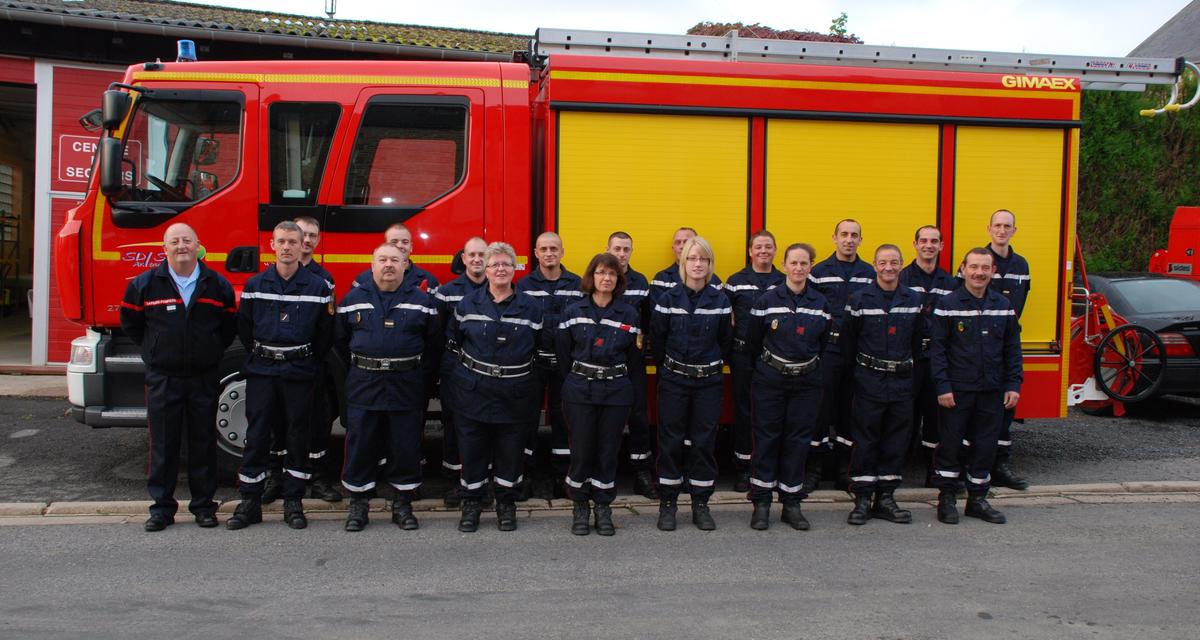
x: 585, y: 134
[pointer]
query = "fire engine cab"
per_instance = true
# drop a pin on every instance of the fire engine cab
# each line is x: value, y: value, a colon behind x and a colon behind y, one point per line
x: 586, y: 134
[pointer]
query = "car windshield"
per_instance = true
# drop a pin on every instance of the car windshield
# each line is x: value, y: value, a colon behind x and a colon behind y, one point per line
x: 1159, y: 296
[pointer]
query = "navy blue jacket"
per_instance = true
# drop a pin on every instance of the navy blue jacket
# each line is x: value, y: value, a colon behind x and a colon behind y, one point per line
x: 178, y: 340
x: 790, y: 325
x: 744, y: 288
x: 976, y: 343
x: 668, y: 279
x: 693, y: 327
x: 836, y: 280
x: 554, y: 295
x: 888, y: 330
x: 280, y: 313
x: 605, y: 337
x: 378, y: 324
x: 931, y: 286
x: 319, y: 270
x: 505, y: 334
x: 1011, y: 278
x: 413, y: 275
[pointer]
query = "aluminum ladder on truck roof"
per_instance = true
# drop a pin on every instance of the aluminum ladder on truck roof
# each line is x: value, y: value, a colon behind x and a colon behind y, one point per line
x: 1112, y: 74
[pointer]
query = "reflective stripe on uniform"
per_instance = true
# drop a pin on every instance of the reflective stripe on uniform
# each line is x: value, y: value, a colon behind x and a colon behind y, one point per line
x: 255, y: 480
x: 358, y: 488
x: 279, y: 297
x: 298, y: 474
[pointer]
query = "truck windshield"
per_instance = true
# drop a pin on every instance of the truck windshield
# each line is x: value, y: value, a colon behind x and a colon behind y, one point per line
x: 181, y: 150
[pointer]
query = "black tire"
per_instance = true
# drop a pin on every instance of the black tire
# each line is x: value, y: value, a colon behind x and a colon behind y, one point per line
x: 1129, y: 363
x: 231, y: 416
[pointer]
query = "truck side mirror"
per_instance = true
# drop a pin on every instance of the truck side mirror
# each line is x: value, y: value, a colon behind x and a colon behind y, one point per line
x: 113, y: 108
x: 111, y: 182
x: 206, y: 151
x: 91, y: 121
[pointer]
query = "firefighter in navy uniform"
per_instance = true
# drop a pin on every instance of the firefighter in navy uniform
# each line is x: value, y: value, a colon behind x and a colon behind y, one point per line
x: 322, y: 414
x: 388, y: 330
x: 400, y: 237
x: 285, y: 324
x: 668, y: 278
x: 181, y: 313
x: 883, y: 329
x: 1011, y: 280
x: 786, y: 331
x: 691, y: 335
x: 976, y: 365
x: 555, y: 288
x: 640, y: 444
x: 744, y: 288
x: 495, y: 390
x: 447, y: 298
x: 925, y: 277
x: 598, y: 343
x: 836, y: 277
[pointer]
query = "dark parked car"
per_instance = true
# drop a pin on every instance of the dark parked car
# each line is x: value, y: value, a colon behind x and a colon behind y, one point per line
x: 1168, y: 306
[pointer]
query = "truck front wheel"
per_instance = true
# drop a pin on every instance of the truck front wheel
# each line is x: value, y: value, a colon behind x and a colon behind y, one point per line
x: 231, y: 417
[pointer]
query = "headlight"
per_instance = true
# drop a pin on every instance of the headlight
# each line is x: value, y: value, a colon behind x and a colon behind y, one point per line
x: 83, y: 353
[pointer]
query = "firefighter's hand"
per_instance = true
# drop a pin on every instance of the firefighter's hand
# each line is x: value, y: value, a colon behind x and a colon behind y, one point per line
x: 946, y: 400
x: 1010, y: 399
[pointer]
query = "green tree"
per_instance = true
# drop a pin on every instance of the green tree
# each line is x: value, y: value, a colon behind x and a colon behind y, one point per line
x: 838, y: 27
x: 1133, y: 172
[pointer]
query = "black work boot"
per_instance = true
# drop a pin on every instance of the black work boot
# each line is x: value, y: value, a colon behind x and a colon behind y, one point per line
x: 760, y: 520
x: 1003, y: 476
x: 471, y: 508
x: 293, y: 513
x: 742, y: 484
x: 357, y: 518
x: 322, y: 488
x: 947, y: 511
x: 701, y: 516
x: 885, y: 508
x: 273, y: 487
x: 402, y: 513
x: 248, y: 512
x: 645, y: 484
x: 793, y: 516
x: 451, y: 498
x: 862, y: 509
x: 580, y: 514
x: 506, y: 516
x: 604, y: 523
x: 666, y: 514
x: 978, y: 507
x: 525, y: 489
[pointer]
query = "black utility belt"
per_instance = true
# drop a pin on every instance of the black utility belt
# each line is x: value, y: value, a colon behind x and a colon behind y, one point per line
x: 789, y: 367
x: 832, y: 337
x: 495, y: 370
x: 885, y: 366
x: 282, y: 353
x: 597, y: 372
x: 453, y: 348
x: 547, y: 359
x: 691, y: 370
x: 385, y: 364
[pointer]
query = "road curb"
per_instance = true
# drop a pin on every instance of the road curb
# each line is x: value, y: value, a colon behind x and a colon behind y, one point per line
x: 98, y: 512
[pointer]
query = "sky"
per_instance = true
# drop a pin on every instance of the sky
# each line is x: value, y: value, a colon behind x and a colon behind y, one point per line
x: 1065, y: 27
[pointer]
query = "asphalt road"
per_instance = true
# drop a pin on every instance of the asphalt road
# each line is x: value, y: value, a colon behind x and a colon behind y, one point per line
x: 47, y: 456
x: 1077, y: 571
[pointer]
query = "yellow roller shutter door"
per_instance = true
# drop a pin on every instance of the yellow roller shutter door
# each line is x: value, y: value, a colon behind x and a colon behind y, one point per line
x: 1019, y: 170
x: 883, y: 175
x: 649, y: 175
